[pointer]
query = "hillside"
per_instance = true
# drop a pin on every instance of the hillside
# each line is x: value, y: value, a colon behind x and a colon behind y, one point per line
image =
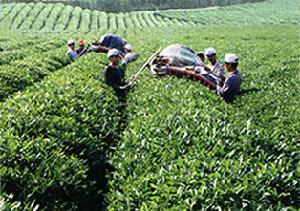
x: 139, y: 5
x: 40, y: 17
x: 68, y: 143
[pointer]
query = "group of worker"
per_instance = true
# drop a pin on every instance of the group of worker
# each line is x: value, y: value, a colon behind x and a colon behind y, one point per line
x: 120, y: 53
x: 227, y: 87
x: 106, y: 43
x: 75, y: 53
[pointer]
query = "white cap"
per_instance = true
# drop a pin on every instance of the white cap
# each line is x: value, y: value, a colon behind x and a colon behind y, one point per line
x: 231, y: 58
x: 128, y: 47
x: 210, y: 51
x: 71, y: 42
x: 113, y: 52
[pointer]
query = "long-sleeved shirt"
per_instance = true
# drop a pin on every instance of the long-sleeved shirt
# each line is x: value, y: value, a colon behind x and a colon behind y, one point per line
x: 114, y: 77
x: 217, y: 70
x: 113, y: 41
x: 72, y: 54
x: 231, y: 86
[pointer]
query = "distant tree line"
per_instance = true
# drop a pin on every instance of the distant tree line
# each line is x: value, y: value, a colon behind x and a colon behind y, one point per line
x: 130, y: 5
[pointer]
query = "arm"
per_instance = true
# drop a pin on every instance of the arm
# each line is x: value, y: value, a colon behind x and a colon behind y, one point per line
x: 223, y: 90
x: 129, y: 57
x: 219, y: 71
x: 99, y: 48
x: 103, y: 49
x: 227, y: 90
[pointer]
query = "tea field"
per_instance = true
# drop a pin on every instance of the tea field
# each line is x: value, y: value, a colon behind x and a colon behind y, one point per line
x: 40, y: 17
x: 140, y: 5
x: 69, y: 143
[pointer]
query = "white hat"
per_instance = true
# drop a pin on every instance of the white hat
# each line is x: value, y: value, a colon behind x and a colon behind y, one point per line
x: 113, y: 52
x: 231, y: 58
x: 71, y: 42
x: 128, y: 47
x: 210, y: 51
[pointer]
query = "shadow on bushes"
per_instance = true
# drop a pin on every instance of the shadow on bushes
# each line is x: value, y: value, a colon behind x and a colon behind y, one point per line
x: 98, y: 162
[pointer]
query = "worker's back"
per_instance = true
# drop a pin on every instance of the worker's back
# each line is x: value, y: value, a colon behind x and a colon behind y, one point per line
x: 113, y: 41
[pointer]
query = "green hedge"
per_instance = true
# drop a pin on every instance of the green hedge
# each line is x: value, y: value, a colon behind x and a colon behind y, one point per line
x: 68, y: 143
x: 54, y: 139
x: 18, y: 49
x: 185, y: 148
x: 20, y: 74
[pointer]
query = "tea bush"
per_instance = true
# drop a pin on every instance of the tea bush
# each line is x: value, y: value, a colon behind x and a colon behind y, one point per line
x: 68, y: 143
x: 54, y: 137
x: 184, y: 148
x: 22, y: 73
x: 65, y: 18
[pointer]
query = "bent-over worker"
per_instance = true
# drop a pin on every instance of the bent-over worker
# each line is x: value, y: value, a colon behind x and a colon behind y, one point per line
x: 113, y: 41
x: 114, y: 74
x: 232, y: 83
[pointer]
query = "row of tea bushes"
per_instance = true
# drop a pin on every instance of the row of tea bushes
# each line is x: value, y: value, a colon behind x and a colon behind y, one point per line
x: 20, y: 74
x: 54, y: 138
x: 184, y: 148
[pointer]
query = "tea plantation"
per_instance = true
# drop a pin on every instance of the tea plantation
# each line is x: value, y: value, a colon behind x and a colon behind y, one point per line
x: 140, y: 5
x: 45, y: 18
x: 68, y: 143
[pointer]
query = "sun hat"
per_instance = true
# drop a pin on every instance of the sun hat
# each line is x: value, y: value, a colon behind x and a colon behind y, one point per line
x: 71, y: 42
x: 231, y: 58
x: 113, y: 52
x: 210, y: 51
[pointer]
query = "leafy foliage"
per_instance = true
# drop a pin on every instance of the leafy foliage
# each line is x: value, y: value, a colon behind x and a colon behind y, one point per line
x: 22, y: 73
x: 130, y: 5
x: 67, y: 142
x: 54, y: 137
x: 59, y: 17
x: 184, y: 148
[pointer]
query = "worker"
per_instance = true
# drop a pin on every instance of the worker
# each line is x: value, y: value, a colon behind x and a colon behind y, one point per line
x: 112, y: 41
x: 129, y: 56
x: 201, y: 56
x: 109, y: 41
x: 114, y: 74
x: 232, y: 83
x: 214, y: 67
x: 81, y: 49
x: 71, y: 50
